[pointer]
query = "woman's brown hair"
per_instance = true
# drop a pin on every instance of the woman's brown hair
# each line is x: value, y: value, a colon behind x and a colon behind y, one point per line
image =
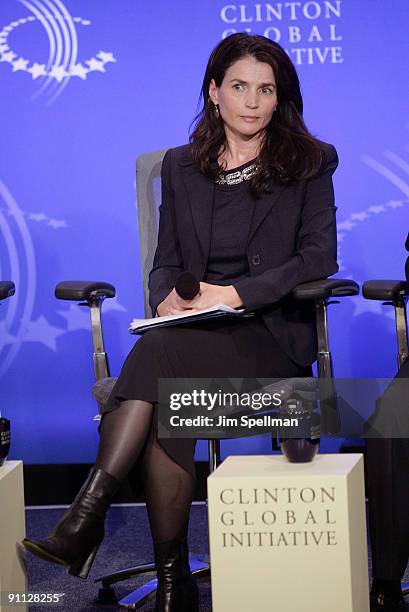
x: 289, y: 152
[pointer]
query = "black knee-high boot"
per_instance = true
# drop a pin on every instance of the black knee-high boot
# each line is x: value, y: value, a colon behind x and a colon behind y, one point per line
x: 177, y: 589
x: 75, y: 540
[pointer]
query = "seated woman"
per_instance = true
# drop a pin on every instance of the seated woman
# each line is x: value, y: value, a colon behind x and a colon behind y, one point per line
x: 248, y: 208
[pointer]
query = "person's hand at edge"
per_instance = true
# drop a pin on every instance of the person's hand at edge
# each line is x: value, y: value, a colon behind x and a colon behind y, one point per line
x: 208, y: 296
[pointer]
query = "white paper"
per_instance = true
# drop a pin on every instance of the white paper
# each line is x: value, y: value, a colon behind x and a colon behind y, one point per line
x: 135, y: 323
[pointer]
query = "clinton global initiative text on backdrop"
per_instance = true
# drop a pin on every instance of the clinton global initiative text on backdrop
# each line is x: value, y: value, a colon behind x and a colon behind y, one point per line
x: 309, y: 31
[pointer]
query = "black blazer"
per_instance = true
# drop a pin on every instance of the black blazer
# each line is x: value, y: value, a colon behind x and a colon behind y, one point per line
x: 292, y: 240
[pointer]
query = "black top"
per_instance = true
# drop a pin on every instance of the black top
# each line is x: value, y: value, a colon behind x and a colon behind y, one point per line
x: 232, y: 213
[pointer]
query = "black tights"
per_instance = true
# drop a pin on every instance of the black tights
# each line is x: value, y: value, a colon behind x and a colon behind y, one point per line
x: 169, y: 488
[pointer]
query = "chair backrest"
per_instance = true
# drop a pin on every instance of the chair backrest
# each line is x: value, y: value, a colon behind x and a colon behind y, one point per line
x: 148, y: 188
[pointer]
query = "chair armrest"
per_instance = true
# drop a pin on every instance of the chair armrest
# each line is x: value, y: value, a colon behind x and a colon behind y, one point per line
x: 385, y: 289
x: 7, y: 289
x: 84, y: 290
x: 325, y: 288
x: 102, y: 389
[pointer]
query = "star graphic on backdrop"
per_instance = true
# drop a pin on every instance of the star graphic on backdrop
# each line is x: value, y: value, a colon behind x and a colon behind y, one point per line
x: 363, y: 306
x: 106, y: 57
x: 346, y: 225
x: 359, y: 216
x: 37, y: 217
x: 95, y: 65
x: 389, y: 312
x: 56, y: 224
x: 376, y: 209
x: 76, y: 317
x: 79, y: 71
x: 84, y: 22
x: 58, y: 72
x: 394, y: 203
x: 113, y: 304
x: 20, y: 64
x: 8, y: 57
x: 6, y: 338
x: 43, y: 332
x: 37, y: 70
x: 12, y: 213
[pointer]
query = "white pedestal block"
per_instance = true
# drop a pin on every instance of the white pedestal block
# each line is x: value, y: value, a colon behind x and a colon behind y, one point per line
x: 287, y: 536
x: 12, y: 531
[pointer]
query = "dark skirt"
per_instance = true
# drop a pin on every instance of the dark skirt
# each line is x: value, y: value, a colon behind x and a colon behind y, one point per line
x: 228, y: 348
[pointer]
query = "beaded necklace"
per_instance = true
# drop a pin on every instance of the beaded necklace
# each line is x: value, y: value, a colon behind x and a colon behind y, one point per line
x: 234, y: 178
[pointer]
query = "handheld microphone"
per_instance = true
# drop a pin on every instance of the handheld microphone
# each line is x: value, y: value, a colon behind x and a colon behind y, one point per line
x: 187, y: 286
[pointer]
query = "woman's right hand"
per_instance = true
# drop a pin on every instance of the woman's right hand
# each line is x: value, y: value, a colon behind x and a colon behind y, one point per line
x: 174, y: 304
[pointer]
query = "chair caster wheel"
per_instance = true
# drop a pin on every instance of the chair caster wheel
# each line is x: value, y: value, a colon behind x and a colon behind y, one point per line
x: 106, y: 595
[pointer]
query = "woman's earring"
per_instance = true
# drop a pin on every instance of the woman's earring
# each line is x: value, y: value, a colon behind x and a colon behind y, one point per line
x: 216, y: 111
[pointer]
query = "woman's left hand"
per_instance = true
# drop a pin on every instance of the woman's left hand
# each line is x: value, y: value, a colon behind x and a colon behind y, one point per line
x: 210, y: 295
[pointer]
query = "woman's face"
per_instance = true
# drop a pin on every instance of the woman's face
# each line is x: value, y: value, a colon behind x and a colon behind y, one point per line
x: 246, y: 98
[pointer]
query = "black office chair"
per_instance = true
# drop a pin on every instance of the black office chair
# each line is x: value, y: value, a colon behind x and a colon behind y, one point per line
x: 394, y: 293
x: 93, y: 294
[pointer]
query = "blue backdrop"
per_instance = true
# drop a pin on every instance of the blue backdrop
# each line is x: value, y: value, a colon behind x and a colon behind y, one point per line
x: 88, y: 86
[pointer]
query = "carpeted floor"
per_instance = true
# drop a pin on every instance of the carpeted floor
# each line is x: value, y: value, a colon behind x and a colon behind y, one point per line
x: 127, y: 543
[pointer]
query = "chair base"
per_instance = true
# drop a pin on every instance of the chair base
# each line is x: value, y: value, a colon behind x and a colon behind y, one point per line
x: 199, y: 566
